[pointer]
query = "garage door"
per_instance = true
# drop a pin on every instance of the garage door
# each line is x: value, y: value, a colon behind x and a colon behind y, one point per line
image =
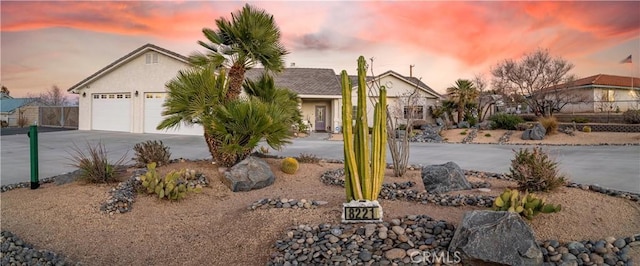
x: 153, y: 116
x: 111, y: 112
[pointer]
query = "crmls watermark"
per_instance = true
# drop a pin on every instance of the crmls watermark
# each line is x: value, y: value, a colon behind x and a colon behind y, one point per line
x: 433, y: 257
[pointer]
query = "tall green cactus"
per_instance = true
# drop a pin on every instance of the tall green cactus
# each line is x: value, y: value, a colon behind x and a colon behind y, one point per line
x: 365, y: 162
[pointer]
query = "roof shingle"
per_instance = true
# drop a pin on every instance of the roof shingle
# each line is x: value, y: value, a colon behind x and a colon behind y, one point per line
x: 304, y: 81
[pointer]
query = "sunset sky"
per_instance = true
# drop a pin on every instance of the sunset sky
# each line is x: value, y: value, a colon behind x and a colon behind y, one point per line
x: 60, y: 43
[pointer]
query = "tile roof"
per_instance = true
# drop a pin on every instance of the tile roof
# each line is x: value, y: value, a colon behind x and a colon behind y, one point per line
x: 603, y: 80
x: 126, y: 58
x: 304, y: 81
x: 8, y: 105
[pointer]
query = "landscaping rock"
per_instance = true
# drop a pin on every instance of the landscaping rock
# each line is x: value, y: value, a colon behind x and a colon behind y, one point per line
x: 496, y: 237
x: 430, y: 133
x: 444, y: 178
x: 536, y: 133
x: 464, y: 124
x: 251, y: 173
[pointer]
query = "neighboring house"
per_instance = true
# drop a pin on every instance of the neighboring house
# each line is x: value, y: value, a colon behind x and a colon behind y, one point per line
x: 17, y: 111
x: 399, y: 87
x: 127, y: 95
x: 601, y: 93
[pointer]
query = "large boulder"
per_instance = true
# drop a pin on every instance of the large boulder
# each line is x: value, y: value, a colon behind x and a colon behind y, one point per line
x: 251, y: 173
x: 536, y: 133
x: 495, y: 238
x: 440, y: 178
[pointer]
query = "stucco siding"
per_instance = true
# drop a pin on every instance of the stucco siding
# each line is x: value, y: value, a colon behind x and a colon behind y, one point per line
x: 133, y: 75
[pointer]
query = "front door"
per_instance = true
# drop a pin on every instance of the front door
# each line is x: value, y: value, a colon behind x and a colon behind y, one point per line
x: 321, y: 113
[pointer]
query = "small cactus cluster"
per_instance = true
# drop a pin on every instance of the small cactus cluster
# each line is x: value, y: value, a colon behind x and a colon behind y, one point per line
x: 173, y: 186
x: 289, y: 165
x: 526, y: 204
x: 586, y: 129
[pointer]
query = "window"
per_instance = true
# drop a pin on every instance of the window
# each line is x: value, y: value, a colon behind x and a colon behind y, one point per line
x: 119, y: 96
x: 112, y: 96
x: 611, y: 95
x: 96, y: 96
x: 127, y: 96
x: 413, y: 112
x: 103, y: 96
x: 151, y: 58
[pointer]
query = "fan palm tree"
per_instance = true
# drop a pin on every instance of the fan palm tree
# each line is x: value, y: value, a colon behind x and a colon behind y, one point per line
x: 192, y: 97
x: 239, y: 126
x: 264, y: 89
x: 461, y: 94
x: 249, y: 38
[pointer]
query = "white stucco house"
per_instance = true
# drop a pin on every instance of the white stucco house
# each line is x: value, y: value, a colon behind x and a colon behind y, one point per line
x: 599, y: 93
x: 127, y: 95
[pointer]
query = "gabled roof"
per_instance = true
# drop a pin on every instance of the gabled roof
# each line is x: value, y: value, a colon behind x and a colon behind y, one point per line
x: 410, y: 80
x: 5, y: 96
x: 602, y: 80
x: 304, y: 81
x: 8, y: 105
x: 122, y: 60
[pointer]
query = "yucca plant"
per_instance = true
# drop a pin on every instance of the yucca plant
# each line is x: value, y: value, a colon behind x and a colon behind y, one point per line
x: 94, y: 163
x: 365, y: 162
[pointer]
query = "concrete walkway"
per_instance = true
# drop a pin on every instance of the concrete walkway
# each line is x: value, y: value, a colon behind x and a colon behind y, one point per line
x: 617, y: 167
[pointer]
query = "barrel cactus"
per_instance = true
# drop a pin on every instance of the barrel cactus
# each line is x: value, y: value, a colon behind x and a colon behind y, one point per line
x: 289, y: 165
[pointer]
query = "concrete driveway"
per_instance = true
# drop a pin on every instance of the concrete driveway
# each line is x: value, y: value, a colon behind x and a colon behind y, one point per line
x: 616, y: 167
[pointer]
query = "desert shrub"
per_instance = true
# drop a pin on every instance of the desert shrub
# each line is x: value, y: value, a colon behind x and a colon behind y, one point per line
x: 4, y: 123
x: 487, y: 135
x: 173, y: 186
x: 289, y: 165
x: 94, y: 164
x: 402, y: 127
x: 463, y: 133
x: 550, y: 124
x: 151, y: 151
x: 586, y: 129
x: 529, y: 118
x: 505, y: 121
x: 22, y: 121
x: 631, y: 116
x: 527, y: 205
x: 535, y: 171
x: 523, y: 126
x: 308, y: 158
x: 580, y: 120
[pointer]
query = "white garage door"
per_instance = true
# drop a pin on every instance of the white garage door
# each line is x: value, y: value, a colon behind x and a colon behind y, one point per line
x: 153, y: 116
x: 111, y: 112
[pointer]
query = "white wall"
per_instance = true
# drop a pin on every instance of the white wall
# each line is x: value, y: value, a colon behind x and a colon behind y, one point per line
x: 134, y: 75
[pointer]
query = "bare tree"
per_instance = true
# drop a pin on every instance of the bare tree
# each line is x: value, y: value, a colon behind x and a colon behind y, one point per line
x: 398, y: 136
x: 52, y: 97
x: 536, y: 77
x: 5, y: 90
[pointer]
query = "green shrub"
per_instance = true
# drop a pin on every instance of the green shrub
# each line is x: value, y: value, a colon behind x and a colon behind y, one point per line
x: 550, y: 124
x: 402, y: 127
x: 487, y: 135
x: 586, y: 129
x: 151, y: 151
x: 535, y: 171
x: 94, y: 164
x: 580, y: 120
x: 463, y: 133
x: 631, y: 116
x: 505, y: 121
x: 173, y: 186
x: 527, y: 204
x: 308, y: 158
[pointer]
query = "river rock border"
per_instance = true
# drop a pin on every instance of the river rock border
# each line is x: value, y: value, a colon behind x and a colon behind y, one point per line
x: 14, y: 251
x: 284, y: 203
x: 473, y: 133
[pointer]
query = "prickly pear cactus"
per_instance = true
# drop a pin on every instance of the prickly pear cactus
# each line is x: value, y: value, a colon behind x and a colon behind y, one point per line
x: 172, y: 187
x: 527, y: 205
x: 289, y: 165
